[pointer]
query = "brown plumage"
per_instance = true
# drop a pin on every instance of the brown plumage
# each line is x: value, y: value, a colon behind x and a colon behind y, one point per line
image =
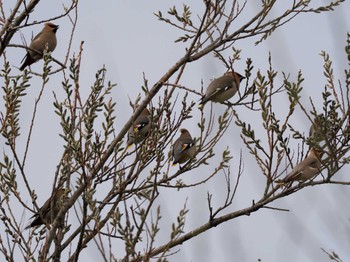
x: 48, y: 212
x: 140, y: 129
x: 183, y: 148
x: 46, y: 36
x: 222, y: 88
x: 306, y: 169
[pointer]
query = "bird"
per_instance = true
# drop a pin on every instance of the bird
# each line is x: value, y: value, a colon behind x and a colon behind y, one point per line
x: 222, y: 88
x: 306, y: 169
x: 47, y: 36
x: 48, y: 212
x: 140, y: 128
x: 183, y: 148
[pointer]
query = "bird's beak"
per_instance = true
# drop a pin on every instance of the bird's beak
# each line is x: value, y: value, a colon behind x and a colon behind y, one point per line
x: 55, y: 28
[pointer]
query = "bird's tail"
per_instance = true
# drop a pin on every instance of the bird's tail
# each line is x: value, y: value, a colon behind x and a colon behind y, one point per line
x: 202, y: 102
x: 27, y: 61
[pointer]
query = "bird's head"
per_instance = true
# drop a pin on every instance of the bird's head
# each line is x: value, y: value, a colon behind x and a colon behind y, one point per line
x: 51, y: 27
x: 236, y: 75
x: 316, y: 152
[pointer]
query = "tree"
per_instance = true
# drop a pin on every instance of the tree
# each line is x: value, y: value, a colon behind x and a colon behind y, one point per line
x: 112, y: 191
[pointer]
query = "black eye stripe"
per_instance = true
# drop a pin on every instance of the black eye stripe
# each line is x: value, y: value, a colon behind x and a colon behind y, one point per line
x: 52, y: 26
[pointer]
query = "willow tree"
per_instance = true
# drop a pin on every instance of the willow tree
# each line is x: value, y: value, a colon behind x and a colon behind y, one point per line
x: 112, y: 190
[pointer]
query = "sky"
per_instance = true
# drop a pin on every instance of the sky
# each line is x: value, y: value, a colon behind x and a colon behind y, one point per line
x: 126, y: 38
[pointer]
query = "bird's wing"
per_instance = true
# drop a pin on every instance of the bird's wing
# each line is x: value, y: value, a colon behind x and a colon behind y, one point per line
x: 314, y: 164
x: 296, y: 171
x: 142, y: 122
x: 309, y: 162
x: 225, y: 83
x: 186, y: 144
x: 45, y: 208
x: 292, y: 175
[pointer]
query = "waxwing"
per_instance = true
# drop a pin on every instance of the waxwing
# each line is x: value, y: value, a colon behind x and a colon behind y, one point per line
x: 140, y: 129
x: 46, y: 36
x: 183, y: 148
x: 306, y: 169
x: 48, y: 212
x: 222, y: 88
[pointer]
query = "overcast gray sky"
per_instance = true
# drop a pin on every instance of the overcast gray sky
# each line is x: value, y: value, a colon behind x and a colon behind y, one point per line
x: 128, y: 39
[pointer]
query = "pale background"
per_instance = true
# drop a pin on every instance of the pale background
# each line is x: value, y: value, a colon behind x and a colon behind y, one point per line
x: 128, y: 39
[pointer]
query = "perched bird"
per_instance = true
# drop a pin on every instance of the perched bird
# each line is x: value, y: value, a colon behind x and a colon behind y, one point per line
x: 306, y: 169
x: 47, y: 36
x: 140, y: 129
x: 222, y: 88
x: 48, y: 212
x: 183, y: 148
